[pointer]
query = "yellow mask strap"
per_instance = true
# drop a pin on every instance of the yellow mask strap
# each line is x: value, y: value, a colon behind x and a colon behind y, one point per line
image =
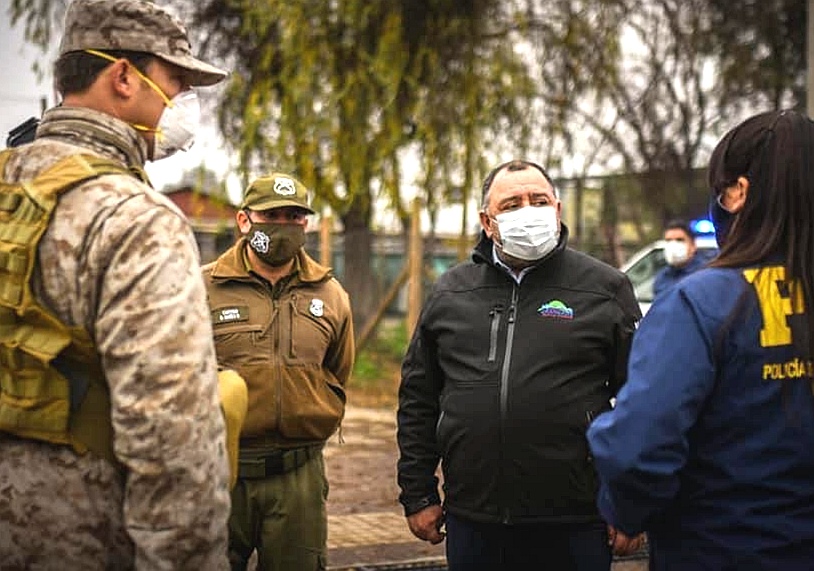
x: 145, y: 128
x: 147, y: 80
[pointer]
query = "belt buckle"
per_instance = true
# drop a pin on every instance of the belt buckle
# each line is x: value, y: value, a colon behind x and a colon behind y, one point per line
x: 275, y: 464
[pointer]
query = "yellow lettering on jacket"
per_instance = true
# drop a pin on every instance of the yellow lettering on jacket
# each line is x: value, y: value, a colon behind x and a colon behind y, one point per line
x: 776, y: 305
x: 794, y: 369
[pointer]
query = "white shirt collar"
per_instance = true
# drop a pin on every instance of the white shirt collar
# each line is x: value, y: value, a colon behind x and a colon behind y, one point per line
x: 517, y: 277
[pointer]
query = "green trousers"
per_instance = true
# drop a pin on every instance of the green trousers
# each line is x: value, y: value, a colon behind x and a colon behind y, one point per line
x: 283, y: 517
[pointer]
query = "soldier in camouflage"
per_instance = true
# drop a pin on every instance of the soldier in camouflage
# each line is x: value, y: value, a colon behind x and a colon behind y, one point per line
x: 120, y: 261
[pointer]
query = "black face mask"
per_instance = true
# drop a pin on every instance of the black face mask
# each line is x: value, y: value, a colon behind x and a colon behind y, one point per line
x: 274, y: 243
x: 721, y: 219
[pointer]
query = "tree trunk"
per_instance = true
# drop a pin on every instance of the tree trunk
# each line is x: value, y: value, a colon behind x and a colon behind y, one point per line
x: 358, y: 276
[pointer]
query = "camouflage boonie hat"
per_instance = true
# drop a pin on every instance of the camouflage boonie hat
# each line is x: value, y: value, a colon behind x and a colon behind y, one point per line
x: 274, y: 191
x: 134, y: 25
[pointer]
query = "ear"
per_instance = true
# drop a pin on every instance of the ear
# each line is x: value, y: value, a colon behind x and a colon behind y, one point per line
x: 734, y: 197
x: 486, y: 223
x: 123, y: 82
x: 243, y: 221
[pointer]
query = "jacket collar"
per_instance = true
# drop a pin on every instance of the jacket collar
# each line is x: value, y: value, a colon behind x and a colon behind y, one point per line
x: 102, y: 133
x: 231, y: 266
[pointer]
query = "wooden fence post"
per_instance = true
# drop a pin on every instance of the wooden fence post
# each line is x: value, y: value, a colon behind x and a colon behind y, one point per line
x: 325, y: 252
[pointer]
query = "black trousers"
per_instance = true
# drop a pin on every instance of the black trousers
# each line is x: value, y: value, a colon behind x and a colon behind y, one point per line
x: 473, y: 546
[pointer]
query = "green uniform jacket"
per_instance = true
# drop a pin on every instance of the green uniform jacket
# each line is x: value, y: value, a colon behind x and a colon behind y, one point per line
x: 292, y: 342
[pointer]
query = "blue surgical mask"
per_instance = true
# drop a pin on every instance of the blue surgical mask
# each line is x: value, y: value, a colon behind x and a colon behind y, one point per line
x: 721, y: 219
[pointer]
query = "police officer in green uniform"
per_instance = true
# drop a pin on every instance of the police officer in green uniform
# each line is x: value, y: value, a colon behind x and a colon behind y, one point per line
x: 283, y: 322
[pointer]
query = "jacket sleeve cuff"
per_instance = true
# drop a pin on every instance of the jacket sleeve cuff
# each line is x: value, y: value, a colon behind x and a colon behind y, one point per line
x: 416, y: 505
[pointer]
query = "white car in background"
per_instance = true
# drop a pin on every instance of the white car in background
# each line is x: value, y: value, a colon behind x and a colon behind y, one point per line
x: 642, y: 267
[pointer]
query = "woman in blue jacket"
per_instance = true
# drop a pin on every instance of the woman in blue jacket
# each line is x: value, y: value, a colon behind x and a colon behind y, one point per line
x: 710, y: 448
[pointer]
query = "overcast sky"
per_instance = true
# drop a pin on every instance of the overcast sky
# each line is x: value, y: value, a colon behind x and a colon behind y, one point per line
x: 20, y: 90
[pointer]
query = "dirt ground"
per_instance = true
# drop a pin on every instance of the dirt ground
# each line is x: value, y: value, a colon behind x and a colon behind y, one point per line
x: 362, y: 477
x: 365, y: 522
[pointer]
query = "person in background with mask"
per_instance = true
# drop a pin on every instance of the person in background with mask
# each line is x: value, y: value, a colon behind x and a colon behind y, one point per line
x: 709, y: 448
x: 283, y: 322
x: 680, y: 255
x: 112, y: 438
x: 515, y: 353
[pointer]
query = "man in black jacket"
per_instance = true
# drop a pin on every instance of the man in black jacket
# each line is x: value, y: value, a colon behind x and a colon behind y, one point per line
x: 515, y: 353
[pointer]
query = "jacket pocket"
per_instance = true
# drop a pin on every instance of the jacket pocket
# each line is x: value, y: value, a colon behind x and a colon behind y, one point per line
x: 494, y: 328
x: 237, y: 344
x: 309, y: 335
x: 312, y: 404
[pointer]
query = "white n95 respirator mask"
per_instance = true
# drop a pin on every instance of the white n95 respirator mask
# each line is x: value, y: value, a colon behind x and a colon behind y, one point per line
x: 177, y: 125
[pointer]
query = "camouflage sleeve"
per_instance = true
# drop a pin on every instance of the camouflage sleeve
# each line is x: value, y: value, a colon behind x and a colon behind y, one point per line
x: 341, y: 354
x: 154, y: 335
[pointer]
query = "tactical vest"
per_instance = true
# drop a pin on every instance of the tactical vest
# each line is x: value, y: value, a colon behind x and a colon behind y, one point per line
x: 52, y: 387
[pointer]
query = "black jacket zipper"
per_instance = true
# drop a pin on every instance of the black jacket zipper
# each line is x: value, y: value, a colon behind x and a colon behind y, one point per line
x: 504, y: 388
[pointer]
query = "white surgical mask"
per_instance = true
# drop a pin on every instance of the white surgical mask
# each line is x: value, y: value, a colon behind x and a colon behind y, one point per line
x: 177, y: 125
x: 676, y: 252
x: 529, y: 233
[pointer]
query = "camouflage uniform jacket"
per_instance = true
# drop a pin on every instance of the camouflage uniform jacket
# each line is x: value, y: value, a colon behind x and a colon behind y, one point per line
x: 292, y: 342
x: 120, y: 260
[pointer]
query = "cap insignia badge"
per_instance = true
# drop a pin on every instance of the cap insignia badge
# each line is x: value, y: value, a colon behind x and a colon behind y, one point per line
x: 284, y: 186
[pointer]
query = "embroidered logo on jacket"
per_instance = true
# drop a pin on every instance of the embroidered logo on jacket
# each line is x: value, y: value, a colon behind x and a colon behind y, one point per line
x: 556, y: 309
x: 317, y: 308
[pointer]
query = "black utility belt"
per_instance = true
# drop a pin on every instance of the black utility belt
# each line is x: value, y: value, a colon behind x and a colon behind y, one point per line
x: 258, y: 465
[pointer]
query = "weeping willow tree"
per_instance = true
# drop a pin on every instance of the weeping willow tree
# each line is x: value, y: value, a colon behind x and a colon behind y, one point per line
x: 337, y: 91
x: 470, y: 89
x: 350, y: 94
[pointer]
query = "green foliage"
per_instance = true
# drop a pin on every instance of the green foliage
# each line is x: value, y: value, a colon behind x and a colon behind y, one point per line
x: 340, y: 91
x: 761, y: 48
x: 379, y: 363
x: 335, y: 92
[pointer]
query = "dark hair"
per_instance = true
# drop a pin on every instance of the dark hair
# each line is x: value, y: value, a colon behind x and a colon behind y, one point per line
x: 683, y: 225
x: 512, y: 166
x: 75, y: 72
x: 773, y: 152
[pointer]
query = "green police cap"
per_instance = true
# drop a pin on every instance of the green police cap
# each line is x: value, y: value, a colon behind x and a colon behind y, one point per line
x: 274, y: 191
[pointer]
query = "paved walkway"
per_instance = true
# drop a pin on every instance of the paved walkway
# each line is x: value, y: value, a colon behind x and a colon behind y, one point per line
x: 365, y: 541
x: 366, y: 527
x: 357, y: 530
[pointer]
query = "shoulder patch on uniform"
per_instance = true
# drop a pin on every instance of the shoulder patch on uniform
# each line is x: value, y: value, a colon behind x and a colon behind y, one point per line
x: 230, y: 314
